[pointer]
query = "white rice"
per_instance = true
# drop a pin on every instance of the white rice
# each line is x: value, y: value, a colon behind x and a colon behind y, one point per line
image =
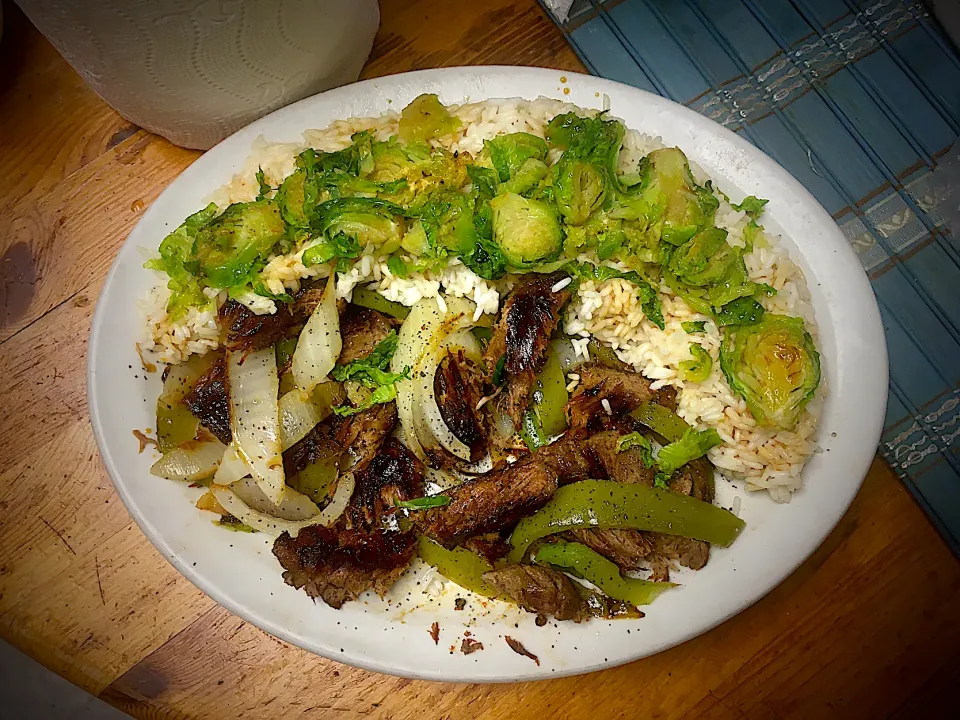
x: 608, y: 311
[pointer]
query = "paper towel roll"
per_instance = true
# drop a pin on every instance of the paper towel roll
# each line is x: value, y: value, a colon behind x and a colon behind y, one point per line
x: 195, y: 71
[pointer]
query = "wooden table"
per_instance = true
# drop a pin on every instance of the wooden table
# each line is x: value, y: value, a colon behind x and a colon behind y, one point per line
x: 866, y: 628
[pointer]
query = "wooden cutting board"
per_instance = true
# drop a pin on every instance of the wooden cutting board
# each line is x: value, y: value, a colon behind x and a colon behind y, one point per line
x: 866, y: 628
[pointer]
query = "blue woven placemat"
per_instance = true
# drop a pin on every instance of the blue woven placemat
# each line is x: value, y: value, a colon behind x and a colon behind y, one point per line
x: 860, y: 101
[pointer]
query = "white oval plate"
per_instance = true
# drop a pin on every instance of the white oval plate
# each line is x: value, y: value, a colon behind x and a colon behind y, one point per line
x: 239, y: 571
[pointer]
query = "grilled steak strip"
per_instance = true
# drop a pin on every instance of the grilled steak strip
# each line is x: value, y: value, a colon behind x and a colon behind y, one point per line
x: 490, y: 502
x: 361, y: 330
x: 458, y: 387
x: 393, y: 474
x: 539, y: 590
x: 363, y: 434
x: 529, y: 317
x: 247, y: 331
x: 571, y: 459
x: 209, y: 400
x: 627, y: 548
x: 623, y: 466
x: 622, y: 389
x: 337, y: 565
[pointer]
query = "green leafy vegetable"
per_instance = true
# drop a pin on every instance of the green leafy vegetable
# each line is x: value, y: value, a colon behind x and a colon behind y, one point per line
x: 499, y: 371
x: 774, y: 366
x: 752, y: 206
x: 509, y: 153
x: 698, y: 369
x: 339, y: 246
x: 424, y: 503
x: 397, y: 266
x: 263, y: 184
x: 694, y: 326
x: 640, y: 442
x: 692, y: 445
x: 371, y: 372
x: 259, y: 289
x: 668, y: 186
x: 742, y: 311
x: 175, y: 254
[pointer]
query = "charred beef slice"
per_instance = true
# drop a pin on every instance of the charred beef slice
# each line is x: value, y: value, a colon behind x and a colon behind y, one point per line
x: 246, y: 330
x: 209, y: 400
x: 539, y: 590
x: 337, y: 565
x: 571, y: 460
x: 624, y: 390
x: 633, y: 549
x: 491, y: 546
x: 361, y: 330
x: 490, y: 502
x: 458, y: 387
x: 624, y: 466
x: 627, y: 548
x: 520, y: 338
x: 363, y: 434
x: 393, y: 474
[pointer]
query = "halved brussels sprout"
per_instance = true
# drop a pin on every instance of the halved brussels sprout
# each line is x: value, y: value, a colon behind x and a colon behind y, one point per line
x: 773, y: 366
x: 366, y: 220
x: 705, y: 259
x: 227, y: 249
x: 579, y: 189
x: 425, y: 119
x: 527, y: 177
x: 526, y: 230
x: 508, y: 153
x: 686, y: 206
x: 297, y: 198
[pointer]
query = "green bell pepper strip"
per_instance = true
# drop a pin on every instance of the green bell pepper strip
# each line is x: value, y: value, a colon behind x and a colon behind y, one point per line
x: 365, y: 297
x: 593, y: 567
x: 661, y: 420
x: 606, y: 504
x: 465, y: 568
x: 545, y: 419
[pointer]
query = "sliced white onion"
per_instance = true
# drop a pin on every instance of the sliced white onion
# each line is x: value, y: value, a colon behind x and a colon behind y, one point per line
x: 338, y: 503
x: 259, y: 521
x: 423, y: 340
x: 320, y: 343
x: 420, y: 324
x: 255, y: 417
x: 502, y: 422
x: 183, y: 376
x: 232, y: 466
x: 295, y: 505
x: 300, y: 411
x: 427, y: 417
x: 195, y: 461
x: 566, y: 354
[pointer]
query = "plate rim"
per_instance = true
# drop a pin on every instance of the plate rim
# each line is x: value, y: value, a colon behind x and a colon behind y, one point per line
x: 222, y: 597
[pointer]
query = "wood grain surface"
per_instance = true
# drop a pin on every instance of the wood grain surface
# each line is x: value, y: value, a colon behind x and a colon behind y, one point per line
x: 866, y: 628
